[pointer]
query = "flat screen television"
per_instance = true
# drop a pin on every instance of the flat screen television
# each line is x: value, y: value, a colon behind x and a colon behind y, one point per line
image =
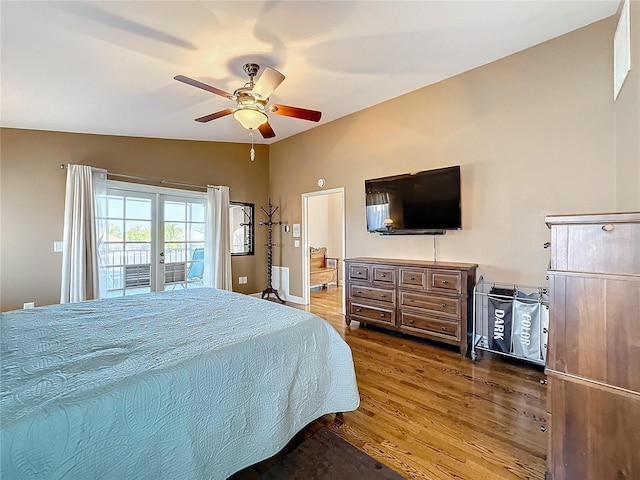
x: 426, y: 202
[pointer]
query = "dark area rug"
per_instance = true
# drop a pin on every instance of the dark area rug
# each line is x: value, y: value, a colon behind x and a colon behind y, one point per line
x: 324, y: 455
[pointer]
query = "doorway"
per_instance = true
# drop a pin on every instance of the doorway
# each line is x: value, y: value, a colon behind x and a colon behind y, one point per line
x: 323, y: 226
x: 154, y: 239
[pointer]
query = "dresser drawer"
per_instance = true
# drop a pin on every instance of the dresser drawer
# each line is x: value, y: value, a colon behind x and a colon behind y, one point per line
x: 444, y: 280
x: 365, y: 313
x: 441, y: 327
x: 384, y: 275
x: 372, y: 293
x: 359, y: 272
x: 413, y: 278
x: 439, y: 304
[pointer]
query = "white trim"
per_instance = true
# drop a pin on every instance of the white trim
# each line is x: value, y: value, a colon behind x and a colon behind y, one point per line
x: 153, y: 189
x: 295, y: 299
x: 621, y: 50
x: 306, y: 287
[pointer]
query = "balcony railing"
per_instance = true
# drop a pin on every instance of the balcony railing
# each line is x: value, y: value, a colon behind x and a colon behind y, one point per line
x: 132, y: 268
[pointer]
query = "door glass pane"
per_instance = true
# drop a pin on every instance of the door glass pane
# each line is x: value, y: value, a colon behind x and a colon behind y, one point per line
x: 174, y: 211
x: 145, y: 252
x: 183, y: 244
x: 138, y: 253
x: 115, y: 230
x: 196, y: 232
x: 115, y: 207
x: 114, y: 253
x: 138, y: 208
x: 114, y: 281
x: 173, y: 233
x: 137, y: 231
x: 128, y: 243
x: 196, y: 212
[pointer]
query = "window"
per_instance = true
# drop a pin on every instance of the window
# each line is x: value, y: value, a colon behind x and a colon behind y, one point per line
x: 154, y: 240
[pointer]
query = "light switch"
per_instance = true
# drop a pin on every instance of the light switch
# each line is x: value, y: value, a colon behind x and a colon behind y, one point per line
x: 296, y: 243
x: 58, y: 246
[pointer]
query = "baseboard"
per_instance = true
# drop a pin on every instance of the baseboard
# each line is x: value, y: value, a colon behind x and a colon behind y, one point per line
x: 294, y: 299
x: 286, y: 298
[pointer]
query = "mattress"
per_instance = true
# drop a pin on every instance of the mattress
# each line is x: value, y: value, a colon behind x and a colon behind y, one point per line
x: 190, y: 384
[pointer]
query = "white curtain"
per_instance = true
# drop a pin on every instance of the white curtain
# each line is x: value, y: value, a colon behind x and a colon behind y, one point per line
x: 82, y: 274
x: 217, y: 239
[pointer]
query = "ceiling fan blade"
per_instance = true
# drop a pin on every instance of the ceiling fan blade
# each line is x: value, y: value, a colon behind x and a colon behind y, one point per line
x: 204, y: 86
x: 213, y: 116
x: 303, y: 113
x: 266, y: 130
x: 267, y: 83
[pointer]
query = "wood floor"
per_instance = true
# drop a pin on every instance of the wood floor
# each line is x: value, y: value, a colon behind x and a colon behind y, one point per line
x: 428, y: 413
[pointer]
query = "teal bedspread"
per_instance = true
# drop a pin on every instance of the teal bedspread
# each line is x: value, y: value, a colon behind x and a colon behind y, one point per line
x: 191, y: 384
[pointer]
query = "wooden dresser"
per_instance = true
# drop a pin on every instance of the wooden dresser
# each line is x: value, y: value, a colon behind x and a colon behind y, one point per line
x: 422, y: 298
x: 593, y: 362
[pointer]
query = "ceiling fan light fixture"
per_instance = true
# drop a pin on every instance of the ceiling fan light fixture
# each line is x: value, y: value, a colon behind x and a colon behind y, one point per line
x: 250, y: 118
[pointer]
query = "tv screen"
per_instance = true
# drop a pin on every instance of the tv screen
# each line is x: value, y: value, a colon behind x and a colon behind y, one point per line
x: 424, y: 202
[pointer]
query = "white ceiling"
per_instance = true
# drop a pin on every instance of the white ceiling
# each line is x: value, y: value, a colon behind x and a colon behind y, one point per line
x: 108, y: 67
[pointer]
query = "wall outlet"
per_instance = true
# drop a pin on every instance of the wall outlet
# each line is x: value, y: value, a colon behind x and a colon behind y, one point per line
x: 29, y: 305
x: 242, y: 280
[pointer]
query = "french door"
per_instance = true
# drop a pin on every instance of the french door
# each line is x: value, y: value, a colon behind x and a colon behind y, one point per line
x: 154, y: 239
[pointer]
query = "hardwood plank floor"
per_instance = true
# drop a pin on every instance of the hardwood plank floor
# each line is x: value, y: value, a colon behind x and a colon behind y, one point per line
x: 428, y: 413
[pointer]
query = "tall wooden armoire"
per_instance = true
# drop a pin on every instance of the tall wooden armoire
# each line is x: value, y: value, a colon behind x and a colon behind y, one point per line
x: 593, y: 362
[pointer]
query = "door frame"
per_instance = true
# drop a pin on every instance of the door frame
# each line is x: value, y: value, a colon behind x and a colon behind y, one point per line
x: 157, y: 195
x: 306, y: 284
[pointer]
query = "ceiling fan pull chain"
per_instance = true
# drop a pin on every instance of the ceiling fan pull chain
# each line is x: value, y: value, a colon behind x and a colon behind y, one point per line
x: 252, y: 151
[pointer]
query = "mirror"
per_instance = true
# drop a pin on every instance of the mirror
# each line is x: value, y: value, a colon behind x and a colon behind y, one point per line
x: 242, y: 228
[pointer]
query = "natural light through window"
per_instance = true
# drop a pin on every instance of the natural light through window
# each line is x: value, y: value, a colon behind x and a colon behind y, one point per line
x: 154, y: 239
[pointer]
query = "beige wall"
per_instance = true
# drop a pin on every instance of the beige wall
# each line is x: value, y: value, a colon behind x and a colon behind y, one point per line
x: 32, y: 197
x: 536, y: 133
x: 533, y: 133
x: 627, y: 115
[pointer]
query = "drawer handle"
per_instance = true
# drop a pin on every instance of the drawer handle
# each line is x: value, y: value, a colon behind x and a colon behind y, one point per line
x: 443, y: 305
x: 608, y: 227
x: 382, y: 315
x: 444, y: 329
x: 445, y: 281
x: 412, y: 278
x: 543, y: 429
x: 383, y: 275
x: 410, y: 321
x: 358, y: 291
x: 358, y: 309
x: 411, y: 300
x: 382, y: 295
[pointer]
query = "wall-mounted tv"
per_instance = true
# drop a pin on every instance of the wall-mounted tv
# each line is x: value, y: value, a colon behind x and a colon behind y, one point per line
x: 426, y: 202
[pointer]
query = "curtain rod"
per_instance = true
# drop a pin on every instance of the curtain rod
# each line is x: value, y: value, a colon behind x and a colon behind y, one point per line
x: 150, y: 179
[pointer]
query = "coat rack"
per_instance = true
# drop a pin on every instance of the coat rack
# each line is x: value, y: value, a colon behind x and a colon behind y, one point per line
x: 269, y: 213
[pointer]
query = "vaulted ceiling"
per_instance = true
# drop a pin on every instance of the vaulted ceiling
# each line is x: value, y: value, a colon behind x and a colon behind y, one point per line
x: 108, y: 67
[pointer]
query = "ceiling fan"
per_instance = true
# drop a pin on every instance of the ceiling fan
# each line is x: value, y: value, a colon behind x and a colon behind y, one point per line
x: 252, y: 101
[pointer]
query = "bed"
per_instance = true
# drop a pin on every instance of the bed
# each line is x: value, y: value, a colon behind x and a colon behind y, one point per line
x: 191, y: 384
